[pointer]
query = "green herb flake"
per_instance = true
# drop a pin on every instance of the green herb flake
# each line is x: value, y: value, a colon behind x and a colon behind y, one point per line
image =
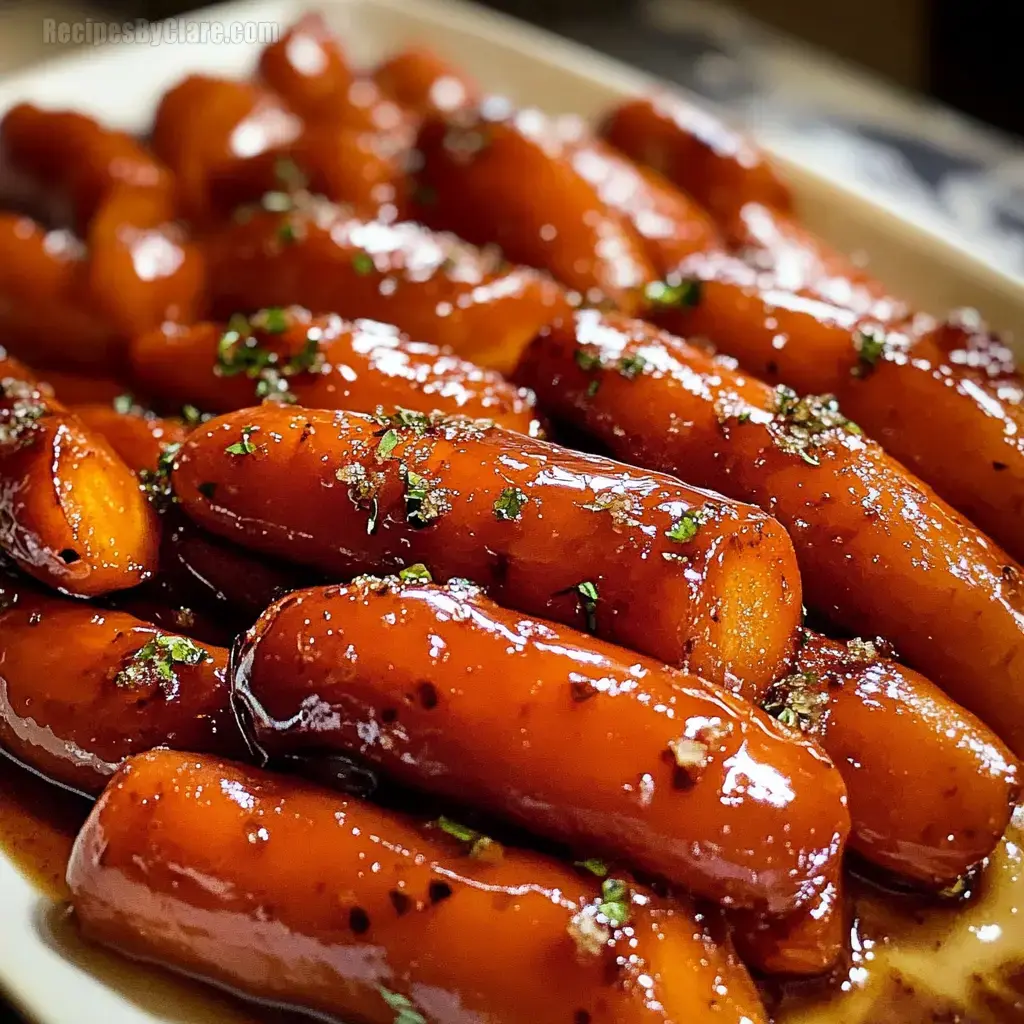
x: 243, y: 447
x: 273, y: 320
x: 631, y: 366
x: 615, y: 902
x: 362, y: 264
x: 20, y: 418
x: 289, y: 175
x: 593, y: 387
x: 801, y: 425
x: 594, y: 866
x: 417, y: 573
x: 386, y: 445
x: 191, y: 415
x: 481, y: 847
x: 288, y: 233
x: 798, y: 701
x: 156, y: 482
x: 668, y: 295
x: 155, y: 662
x: 424, y: 501
x: 405, y: 1011
x: 123, y: 404
x: 277, y: 202
x: 687, y: 526
x: 509, y: 504
x: 588, y: 598
x: 871, y: 347
x: 587, y: 360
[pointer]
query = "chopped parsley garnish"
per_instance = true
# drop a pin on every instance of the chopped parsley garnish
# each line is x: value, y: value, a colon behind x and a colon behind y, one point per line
x: 154, y: 662
x: 123, y: 404
x: 362, y: 490
x: 481, y: 847
x: 631, y: 366
x: 289, y: 175
x: 668, y: 295
x: 243, y: 447
x: 405, y: 1012
x: 289, y: 233
x: 277, y: 202
x: 587, y: 360
x: 386, y: 445
x: 191, y: 415
x: 417, y: 573
x: 362, y: 264
x: 686, y: 527
x: 588, y: 598
x: 594, y: 866
x: 273, y: 320
x: 621, y: 505
x: 22, y: 415
x: 240, y: 351
x: 615, y: 902
x: 156, y: 482
x: 800, y: 424
x: 797, y: 701
x: 871, y: 347
x: 510, y: 503
x: 593, y: 387
x: 424, y: 501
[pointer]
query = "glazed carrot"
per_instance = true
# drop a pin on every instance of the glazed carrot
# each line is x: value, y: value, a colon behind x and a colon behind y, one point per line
x: 205, y: 125
x: 139, y: 437
x: 648, y: 778
x: 419, y: 80
x: 321, y: 362
x: 670, y: 224
x: 774, y: 241
x: 81, y: 689
x: 430, y: 285
x: 880, y: 553
x: 716, y: 165
x: 73, y: 304
x: 46, y: 310
x: 931, y: 788
x: 77, y: 389
x: 946, y: 401
x: 227, y: 583
x: 504, y: 177
x: 77, y: 164
x: 431, y: 933
x: 808, y: 941
x: 363, y: 169
x: 308, y: 68
x: 575, y: 538
x: 71, y: 512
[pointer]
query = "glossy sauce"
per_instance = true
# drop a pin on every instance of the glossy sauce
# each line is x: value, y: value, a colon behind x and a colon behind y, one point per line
x: 911, y: 961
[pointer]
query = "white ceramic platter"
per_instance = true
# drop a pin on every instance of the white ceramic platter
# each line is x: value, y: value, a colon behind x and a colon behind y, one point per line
x: 51, y: 975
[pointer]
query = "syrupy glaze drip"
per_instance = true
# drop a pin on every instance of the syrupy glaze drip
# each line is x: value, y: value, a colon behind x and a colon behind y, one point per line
x: 917, y: 963
x: 912, y: 962
x: 38, y: 823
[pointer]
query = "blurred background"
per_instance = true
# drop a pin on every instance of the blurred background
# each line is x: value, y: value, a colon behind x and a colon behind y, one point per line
x: 961, y: 52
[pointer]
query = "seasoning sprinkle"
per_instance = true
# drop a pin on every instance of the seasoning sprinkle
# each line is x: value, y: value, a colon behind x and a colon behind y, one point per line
x: 588, y: 598
x: 509, y: 503
x: 669, y: 295
x: 245, y: 445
